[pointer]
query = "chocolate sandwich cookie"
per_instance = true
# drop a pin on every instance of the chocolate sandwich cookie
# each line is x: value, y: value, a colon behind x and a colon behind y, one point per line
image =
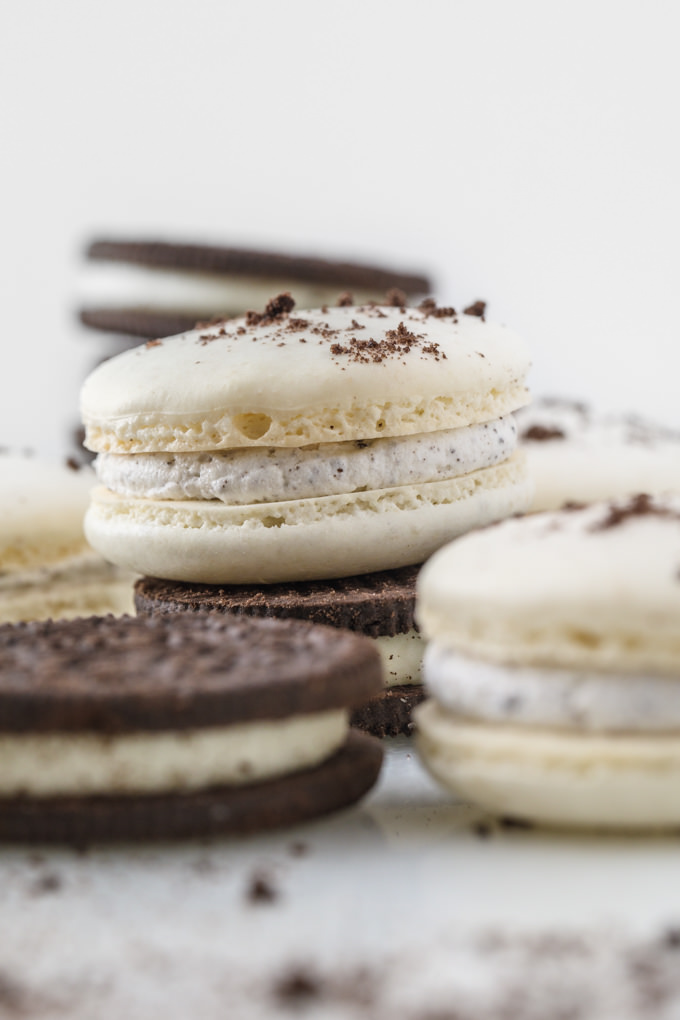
x: 156, y: 288
x: 378, y: 605
x: 154, y: 728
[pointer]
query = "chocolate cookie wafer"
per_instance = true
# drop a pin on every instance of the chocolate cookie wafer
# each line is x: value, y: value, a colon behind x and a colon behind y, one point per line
x: 379, y: 605
x: 149, y: 289
x: 151, y: 728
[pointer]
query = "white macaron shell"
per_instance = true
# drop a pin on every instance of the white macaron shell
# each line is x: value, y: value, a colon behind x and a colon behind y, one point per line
x: 273, y: 385
x: 562, y: 589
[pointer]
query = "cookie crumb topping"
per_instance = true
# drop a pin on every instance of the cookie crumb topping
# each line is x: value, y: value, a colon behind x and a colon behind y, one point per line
x: 396, y: 343
x: 275, y: 310
x: 477, y: 308
x: 396, y: 298
x: 542, y: 433
x: 429, y: 307
x: 642, y: 505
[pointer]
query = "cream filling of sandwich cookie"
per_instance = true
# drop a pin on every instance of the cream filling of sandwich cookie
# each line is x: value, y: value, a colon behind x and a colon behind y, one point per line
x: 402, y: 658
x: 177, y: 290
x: 246, y: 476
x: 565, y: 699
x: 82, y: 764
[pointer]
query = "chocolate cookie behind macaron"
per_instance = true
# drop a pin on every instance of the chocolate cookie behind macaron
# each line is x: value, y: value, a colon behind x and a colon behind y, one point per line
x: 154, y: 728
x: 157, y: 288
x: 379, y: 605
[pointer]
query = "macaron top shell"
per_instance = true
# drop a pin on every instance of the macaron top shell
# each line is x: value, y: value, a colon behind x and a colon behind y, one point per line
x: 596, y: 586
x: 323, y: 376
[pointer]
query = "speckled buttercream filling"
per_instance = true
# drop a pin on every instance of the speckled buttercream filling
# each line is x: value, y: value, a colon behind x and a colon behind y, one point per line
x: 247, y: 476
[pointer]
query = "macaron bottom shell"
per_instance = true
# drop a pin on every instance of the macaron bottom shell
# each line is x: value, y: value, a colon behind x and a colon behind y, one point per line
x: 607, y: 781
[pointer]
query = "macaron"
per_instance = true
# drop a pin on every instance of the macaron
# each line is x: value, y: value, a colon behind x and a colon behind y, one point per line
x: 285, y: 449
x: 149, y: 288
x: 378, y: 605
x: 47, y: 567
x: 157, y: 728
x: 553, y: 665
x: 577, y: 454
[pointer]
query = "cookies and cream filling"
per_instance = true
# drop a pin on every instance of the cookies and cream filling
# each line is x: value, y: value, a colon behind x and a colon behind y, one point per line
x: 568, y: 699
x: 402, y: 658
x: 246, y: 476
x: 63, y: 764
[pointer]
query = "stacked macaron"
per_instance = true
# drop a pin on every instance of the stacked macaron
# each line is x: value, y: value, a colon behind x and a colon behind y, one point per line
x: 554, y: 665
x: 47, y: 567
x: 138, y: 728
x: 576, y: 454
x: 306, y: 447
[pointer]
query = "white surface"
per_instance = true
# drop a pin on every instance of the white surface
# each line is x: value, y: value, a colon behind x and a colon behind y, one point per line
x: 401, y: 890
x: 523, y: 153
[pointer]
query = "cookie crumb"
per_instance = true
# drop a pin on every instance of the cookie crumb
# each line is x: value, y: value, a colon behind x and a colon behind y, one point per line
x: 261, y: 889
x: 396, y: 298
x: 47, y: 883
x: 477, y: 308
x: 297, y: 987
x: 542, y: 433
x: 641, y: 505
x: 345, y: 300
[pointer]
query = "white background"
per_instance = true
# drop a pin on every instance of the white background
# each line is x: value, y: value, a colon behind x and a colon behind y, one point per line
x: 523, y: 152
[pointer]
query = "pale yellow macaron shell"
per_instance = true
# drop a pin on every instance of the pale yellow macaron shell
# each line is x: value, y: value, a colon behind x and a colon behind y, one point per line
x: 562, y: 589
x: 302, y: 380
x: 585, y: 780
x: 329, y: 536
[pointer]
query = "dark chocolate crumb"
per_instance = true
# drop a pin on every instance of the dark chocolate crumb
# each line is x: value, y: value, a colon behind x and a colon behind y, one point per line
x: 482, y: 830
x: 345, y: 300
x: 13, y: 998
x: 47, y: 883
x: 542, y: 433
x: 297, y: 987
x: 298, y: 849
x: 671, y: 938
x: 509, y: 822
x: 396, y: 298
x: 429, y: 307
x: 295, y: 325
x: 642, y: 505
x: 261, y: 889
x: 275, y: 310
x: 477, y: 308
x: 73, y: 464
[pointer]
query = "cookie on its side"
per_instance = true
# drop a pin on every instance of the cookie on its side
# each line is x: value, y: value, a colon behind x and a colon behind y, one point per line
x: 553, y: 662
x: 378, y: 605
x: 149, y: 289
x: 140, y: 728
x: 577, y: 455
